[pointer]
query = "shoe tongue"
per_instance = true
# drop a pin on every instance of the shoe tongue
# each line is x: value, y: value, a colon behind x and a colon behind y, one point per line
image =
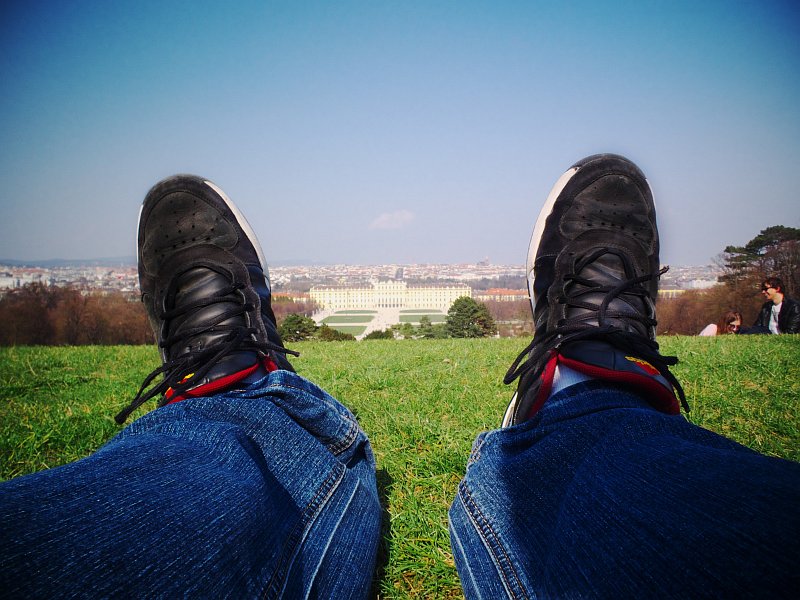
x: 607, y: 270
x: 198, y: 283
x: 194, y: 285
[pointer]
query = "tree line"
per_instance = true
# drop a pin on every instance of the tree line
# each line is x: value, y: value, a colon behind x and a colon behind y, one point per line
x: 775, y: 251
x: 40, y: 315
x: 37, y: 314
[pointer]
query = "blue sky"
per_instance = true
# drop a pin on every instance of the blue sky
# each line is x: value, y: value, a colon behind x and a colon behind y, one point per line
x: 394, y: 132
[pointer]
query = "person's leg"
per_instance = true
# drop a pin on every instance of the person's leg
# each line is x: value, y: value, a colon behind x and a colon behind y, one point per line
x: 755, y: 330
x: 264, y: 492
x: 600, y: 495
x: 602, y: 489
x: 247, y: 481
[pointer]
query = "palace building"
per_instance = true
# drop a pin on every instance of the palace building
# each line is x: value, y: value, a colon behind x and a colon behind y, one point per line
x: 502, y: 295
x: 388, y: 294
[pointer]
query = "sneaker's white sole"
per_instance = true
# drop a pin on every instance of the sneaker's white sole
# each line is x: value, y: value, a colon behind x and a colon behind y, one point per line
x: 533, y: 246
x: 243, y: 223
x: 538, y: 228
x: 508, y: 416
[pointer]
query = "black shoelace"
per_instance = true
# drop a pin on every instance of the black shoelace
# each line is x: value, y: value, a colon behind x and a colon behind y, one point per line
x: 530, y: 363
x: 200, y: 362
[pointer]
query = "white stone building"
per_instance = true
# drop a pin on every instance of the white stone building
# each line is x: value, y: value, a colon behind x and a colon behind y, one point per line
x: 388, y: 294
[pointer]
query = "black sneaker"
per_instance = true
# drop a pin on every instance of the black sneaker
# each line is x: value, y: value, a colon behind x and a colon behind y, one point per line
x: 205, y: 287
x: 593, y: 279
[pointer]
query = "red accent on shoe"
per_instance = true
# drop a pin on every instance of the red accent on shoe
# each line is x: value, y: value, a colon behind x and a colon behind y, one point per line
x: 223, y: 383
x: 547, y: 384
x: 662, y: 399
x: 269, y: 364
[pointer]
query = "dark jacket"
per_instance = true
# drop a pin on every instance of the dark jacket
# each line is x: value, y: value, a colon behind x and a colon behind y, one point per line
x: 788, y: 318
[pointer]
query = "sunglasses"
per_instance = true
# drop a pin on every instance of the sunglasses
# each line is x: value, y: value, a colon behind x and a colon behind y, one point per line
x: 764, y: 288
x: 733, y: 326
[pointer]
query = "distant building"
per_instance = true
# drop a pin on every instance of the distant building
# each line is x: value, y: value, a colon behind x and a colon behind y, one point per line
x: 670, y: 293
x: 7, y: 280
x: 702, y: 284
x: 291, y: 296
x: 388, y: 294
x: 501, y: 295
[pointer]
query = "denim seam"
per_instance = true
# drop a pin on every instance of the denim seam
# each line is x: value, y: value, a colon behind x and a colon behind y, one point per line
x: 295, y: 538
x: 343, y: 442
x: 491, y: 540
x: 346, y: 440
x: 475, y: 455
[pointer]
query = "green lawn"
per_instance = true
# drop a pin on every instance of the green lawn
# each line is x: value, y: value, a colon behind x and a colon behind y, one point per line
x: 336, y: 319
x: 351, y: 329
x: 356, y: 312
x: 421, y: 311
x: 421, y: 401
x: 416, y: 317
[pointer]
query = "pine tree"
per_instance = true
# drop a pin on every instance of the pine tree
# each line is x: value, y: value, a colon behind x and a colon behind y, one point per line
x: 468, y: 318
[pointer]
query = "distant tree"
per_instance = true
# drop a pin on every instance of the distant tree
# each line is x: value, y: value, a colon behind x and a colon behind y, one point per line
x: 124, y: 320
x: 428, y: 331
x: 70, y: 320
x: 513, y: 282
x: 439, y: 332
x: 686, y: 314
x: 485, y: 320
x: 404, y: 330
x: 329, y: 334
x: 283, y: 306
x: 774, y: 251
x: 425, y: 327
x: 26, y: 315
x: 468, y: 318
x: 514, y: 310
x: 49, y: 315
x: 296, y: 328
x: 378, y: 334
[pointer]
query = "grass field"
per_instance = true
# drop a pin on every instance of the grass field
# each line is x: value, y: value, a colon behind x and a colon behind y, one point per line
x: 422, y: 403
x: 342, y: 319
x: 421, y: 311
x: 356, y: 312
x: 414, y: 318
x: 351, y: 329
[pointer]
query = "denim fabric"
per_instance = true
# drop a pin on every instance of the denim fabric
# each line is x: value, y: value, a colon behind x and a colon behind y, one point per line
x: 267, y: 492
x: 601, y: 496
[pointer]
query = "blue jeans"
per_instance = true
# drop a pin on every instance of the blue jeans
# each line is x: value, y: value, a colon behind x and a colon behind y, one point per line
x: 266, y: 492
x: 600, y: 496
x: 271, y: 492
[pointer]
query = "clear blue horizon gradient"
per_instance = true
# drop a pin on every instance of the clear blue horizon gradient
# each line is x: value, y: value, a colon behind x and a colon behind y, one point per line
x: 387, y: 132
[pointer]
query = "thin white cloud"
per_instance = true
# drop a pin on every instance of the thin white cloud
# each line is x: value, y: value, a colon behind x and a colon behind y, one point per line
x: 393, y: 220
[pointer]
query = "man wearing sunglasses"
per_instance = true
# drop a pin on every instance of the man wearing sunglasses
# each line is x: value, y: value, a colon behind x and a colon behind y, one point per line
x: 779, y: 314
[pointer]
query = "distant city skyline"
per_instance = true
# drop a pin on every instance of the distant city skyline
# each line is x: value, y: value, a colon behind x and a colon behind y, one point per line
x: 125, y: 275
x: 130, y: 261
x: 382, y: 132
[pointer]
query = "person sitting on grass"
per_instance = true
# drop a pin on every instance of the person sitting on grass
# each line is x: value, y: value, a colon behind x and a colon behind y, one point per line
x: 779, y: 314
x: 730, y: 322
x: 251, y: 481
